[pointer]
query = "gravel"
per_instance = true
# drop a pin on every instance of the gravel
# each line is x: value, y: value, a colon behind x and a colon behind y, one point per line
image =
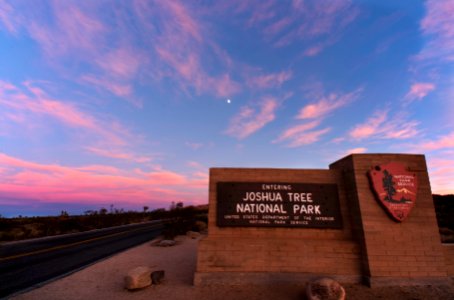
x: 104, y: 280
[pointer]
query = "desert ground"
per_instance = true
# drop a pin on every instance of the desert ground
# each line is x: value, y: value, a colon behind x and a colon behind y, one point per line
x: 104, y: 280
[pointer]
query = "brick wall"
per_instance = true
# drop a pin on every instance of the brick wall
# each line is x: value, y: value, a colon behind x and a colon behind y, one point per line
x: 278, y: 250
x: 409, y: 252
x: 370, y: 245
x: 448, y: 250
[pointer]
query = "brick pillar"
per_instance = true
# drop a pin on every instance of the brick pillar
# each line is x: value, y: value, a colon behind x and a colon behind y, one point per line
x: 393, y: 253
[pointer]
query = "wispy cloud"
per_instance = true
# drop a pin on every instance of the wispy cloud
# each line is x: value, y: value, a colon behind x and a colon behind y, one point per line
x: 319, y: 23
x: 194, y: 145
x: 303, y: 134
x: 8, y: 17
x: 357, y: 150
x: 38, y: 182
x: 118, y: 155
x: 345, y: 153
x: 74, y: 32
x: 441, y: 172
x: 270, y: 80
x: 418, y: 91
x: 381, y: 126
x: 252, y: 118
x: 307, y: 133
x: 74, y: 29
x: 182, y: 46
x: 34, y: 102
x: 438, y: 28
x: 442, y: 142
x: 327, y: 104
x: 313, y: 25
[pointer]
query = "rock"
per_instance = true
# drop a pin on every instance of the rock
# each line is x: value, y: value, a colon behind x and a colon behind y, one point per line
x: 324, y: 289
x: 193, y: 234
x: 138, y: 278
x: 157, y: 276
x: 166, y: 243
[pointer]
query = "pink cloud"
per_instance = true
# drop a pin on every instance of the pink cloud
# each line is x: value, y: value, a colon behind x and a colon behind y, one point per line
x: 263, y: 12
x: 370, y: 128
x: 193, y: 145
x: 441, y: 172
x: 438, y: 27
x: 115, y: 86
x: 118, y: 155
x: 73, y: 34
x: 278, y: 26
x: 302, y: 134
x: 6, y: 87
x: 74, y: 30
x: 121, y: 62
x: 326, y: 105
x: 185, y: 51
x: 419, y: 90
x: 318, y: 22
x: 270, y: 80
x: 23, y: 179
x: 8, y: 17
x: 190, y: 72
x: 313, y: 51
x: 40, y: 104
x: 442, y: 142
x: 166, y: 178
x: 297, y: 129
x: 357, y: 150
x: 195, y: 165
x: 183, y: 19
x: 251, y: 119
x: 379, y: 126
x: 353, y: 151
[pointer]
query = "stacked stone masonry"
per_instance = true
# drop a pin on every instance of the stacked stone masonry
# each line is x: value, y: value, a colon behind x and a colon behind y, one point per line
x: 370, y: 246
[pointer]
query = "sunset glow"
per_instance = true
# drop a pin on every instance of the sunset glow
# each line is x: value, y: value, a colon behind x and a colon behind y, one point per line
x: 129, y: 103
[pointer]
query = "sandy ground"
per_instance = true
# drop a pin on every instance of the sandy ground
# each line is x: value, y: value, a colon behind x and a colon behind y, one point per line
x: 104, y: 280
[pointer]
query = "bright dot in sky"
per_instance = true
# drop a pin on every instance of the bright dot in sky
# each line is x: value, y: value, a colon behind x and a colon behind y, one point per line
x: 229, y: 101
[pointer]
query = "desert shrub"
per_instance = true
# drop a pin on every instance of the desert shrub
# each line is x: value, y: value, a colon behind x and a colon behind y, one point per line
x: 200, y: 226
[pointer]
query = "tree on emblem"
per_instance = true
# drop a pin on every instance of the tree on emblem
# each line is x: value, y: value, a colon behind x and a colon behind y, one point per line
x: 388, y: 186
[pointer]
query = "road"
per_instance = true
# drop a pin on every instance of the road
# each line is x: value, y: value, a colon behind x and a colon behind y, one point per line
x: 25, y: 264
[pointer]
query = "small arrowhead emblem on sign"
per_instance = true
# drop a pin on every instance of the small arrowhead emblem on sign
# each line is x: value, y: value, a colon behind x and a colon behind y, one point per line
x: 395, y: 189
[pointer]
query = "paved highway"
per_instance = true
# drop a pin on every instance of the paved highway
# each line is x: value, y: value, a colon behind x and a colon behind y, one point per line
x: 25, y: 264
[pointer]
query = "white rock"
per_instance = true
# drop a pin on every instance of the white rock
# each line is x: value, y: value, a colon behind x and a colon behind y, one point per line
x: 325, y: 289
x: 166, y: 243
x: 138, y: 278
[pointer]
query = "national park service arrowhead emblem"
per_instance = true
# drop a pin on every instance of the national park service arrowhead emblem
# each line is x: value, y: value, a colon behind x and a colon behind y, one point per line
x: 395, y: 188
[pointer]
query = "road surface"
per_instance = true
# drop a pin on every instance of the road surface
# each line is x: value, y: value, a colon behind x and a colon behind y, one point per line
x: 25, y: 264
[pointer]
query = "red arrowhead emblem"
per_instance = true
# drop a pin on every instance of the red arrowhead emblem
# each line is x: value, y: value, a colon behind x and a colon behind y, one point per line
x: 395, y: 189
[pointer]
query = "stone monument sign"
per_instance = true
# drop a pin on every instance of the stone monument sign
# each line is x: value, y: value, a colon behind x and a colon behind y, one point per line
x: 368, y: 218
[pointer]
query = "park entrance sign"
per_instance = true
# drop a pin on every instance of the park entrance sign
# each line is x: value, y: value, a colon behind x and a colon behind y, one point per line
x: 293, y: 225
x: 265, y: 204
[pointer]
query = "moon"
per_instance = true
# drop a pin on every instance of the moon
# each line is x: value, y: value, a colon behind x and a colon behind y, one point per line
x: 229, y: 101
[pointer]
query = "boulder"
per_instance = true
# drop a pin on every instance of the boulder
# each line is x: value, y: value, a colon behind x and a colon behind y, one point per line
x: 166, y: 243
x: 193, y: 234
x: 138, y: 278
x: 157, y: 276
x: 324, y: 289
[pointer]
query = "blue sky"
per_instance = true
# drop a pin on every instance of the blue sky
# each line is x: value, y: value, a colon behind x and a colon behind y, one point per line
x: 131, y: 102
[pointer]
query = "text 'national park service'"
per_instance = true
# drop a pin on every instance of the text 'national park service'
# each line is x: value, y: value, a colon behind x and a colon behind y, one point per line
x: 278, y: 205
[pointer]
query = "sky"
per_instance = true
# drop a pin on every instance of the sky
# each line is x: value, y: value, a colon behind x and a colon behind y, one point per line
x: 129, y: 103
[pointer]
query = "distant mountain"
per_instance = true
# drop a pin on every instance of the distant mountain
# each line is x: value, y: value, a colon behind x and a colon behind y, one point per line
x: 404, y: 191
